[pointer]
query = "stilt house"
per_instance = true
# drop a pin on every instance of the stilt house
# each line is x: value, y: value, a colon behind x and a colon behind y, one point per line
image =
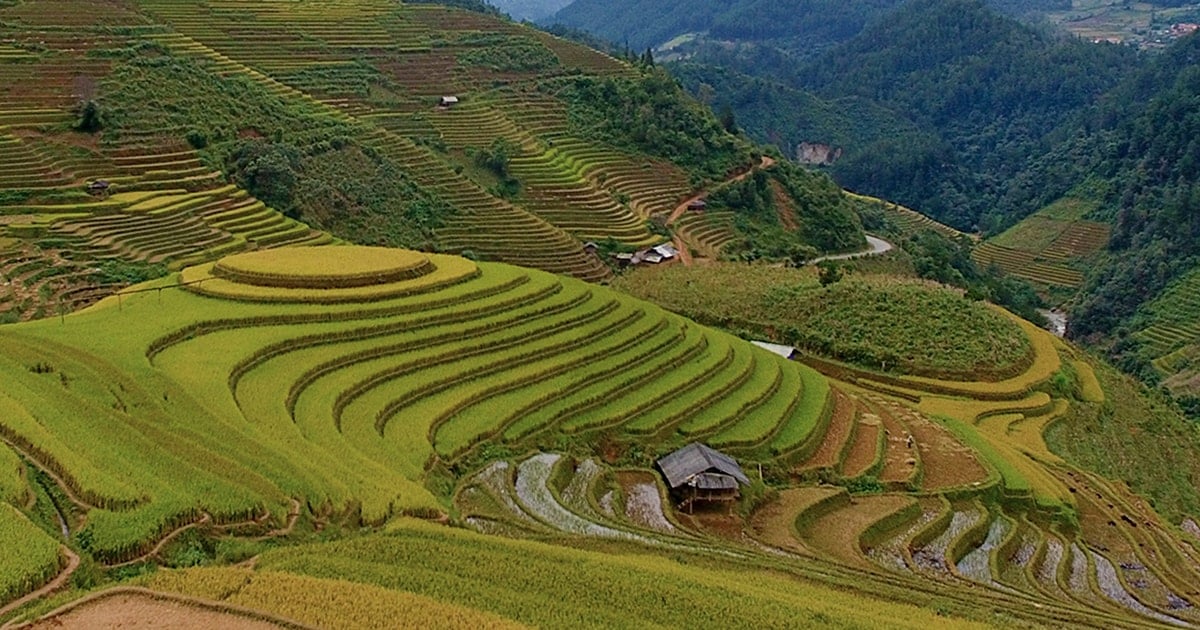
x: 698, y: 473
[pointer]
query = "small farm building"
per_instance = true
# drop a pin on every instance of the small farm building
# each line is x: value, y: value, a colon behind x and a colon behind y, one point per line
x: 786, y: 352
x: 448, y: 101
x: 666, y: 250
x: 698, y: 204
x: 699, y: 473
x: 98, y: 188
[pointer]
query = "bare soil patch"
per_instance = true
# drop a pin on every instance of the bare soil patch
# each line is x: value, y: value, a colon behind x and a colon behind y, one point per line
x: 838, y: 532
x: 774, y: 524
x: 945, y: 462
x: 863, y: 450
x: 845, y: 414
x: 131, y: 609
x: 900, y: 463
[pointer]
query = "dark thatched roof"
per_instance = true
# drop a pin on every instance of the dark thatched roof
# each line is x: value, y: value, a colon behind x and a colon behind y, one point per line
x: 697, y: 464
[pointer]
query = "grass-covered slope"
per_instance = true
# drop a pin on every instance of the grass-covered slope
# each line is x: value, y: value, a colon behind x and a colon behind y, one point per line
x: 883, y: 323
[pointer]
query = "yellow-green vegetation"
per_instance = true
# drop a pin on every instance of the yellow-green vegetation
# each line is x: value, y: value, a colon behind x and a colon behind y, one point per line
x: 881, y: 323
x: 419, y: 273
x: 344, y: 398
x: 339, y: 267
x: 1090, y: 389
x: 13, y: 488
x: 30, y: 557
x: 546, y: 586
x: 1051, y: 246
x: 324, y: 603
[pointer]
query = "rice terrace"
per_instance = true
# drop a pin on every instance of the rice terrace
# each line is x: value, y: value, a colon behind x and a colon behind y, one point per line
x: 313, y: 316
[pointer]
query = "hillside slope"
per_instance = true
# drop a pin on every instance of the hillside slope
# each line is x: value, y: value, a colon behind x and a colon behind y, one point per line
x: 272, y: 395
x: 345, y: 396
x: 323, y: 123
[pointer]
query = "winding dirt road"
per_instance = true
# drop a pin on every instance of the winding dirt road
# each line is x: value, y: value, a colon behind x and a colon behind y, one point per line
x: 767, y: 162
x: 52, y: 586
x: 876, y: 247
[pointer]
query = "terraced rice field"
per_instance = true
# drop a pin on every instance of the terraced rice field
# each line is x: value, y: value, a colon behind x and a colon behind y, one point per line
x: 377, y: 66
x: 168, y: 206
x: 1169, y: 332
x: 283, y: 384
x: 1027, y: 265
x: 1050, y: 247
x: 572, y: 190
x: 971, y: 496
x: 376, y: 373
x: 255, y: 388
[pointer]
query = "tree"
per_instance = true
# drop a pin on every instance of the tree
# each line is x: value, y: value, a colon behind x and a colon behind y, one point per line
x: 269, y: 171
x: 829, y: 272
x: 89, y: 118
x: 728, y: 120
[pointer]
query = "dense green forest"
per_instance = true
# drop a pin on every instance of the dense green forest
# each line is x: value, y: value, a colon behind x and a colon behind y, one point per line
x: 532, y: 10
x: 958, y: 109
x: 649, y: 23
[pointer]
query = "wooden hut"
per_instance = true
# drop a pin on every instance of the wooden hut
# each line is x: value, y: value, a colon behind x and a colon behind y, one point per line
x: 98, y: 188
x: 698, y: 473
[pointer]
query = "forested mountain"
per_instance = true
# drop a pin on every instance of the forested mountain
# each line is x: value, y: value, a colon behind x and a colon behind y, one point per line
x: 977, y: 119
x: 649, y: 23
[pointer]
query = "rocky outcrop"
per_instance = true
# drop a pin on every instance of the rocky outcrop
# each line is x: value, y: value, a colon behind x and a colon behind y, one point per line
x: 817, y: 154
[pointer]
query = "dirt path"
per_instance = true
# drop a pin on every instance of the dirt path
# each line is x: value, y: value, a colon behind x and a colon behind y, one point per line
x: 685, y: 252
x: 52, y: 586
x: 62, y: 485
x: 163, y: 543
x: 679, y: 210
x: 293, y: 516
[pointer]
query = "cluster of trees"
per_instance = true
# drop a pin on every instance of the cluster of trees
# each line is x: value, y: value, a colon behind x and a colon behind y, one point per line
x: 826, y: 220
x: 651, y: 114
x: 649, y: 23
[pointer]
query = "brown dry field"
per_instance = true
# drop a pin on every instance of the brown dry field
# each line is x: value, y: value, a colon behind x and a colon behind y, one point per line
x: 899, y: 461
x: 131, y: 611
x: 946, y: 462
x: 862, y: 450
x: 838, y: 533
x: 774, y: 523
x: 845, y: 411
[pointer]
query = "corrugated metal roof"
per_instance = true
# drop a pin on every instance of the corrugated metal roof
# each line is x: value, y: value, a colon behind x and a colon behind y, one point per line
x: 714, y: 481
x: 684, y: 464
x: 782, y: 350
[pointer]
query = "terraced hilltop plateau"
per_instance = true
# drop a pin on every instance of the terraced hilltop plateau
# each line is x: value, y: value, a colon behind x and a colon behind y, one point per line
x: 295, y: 339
